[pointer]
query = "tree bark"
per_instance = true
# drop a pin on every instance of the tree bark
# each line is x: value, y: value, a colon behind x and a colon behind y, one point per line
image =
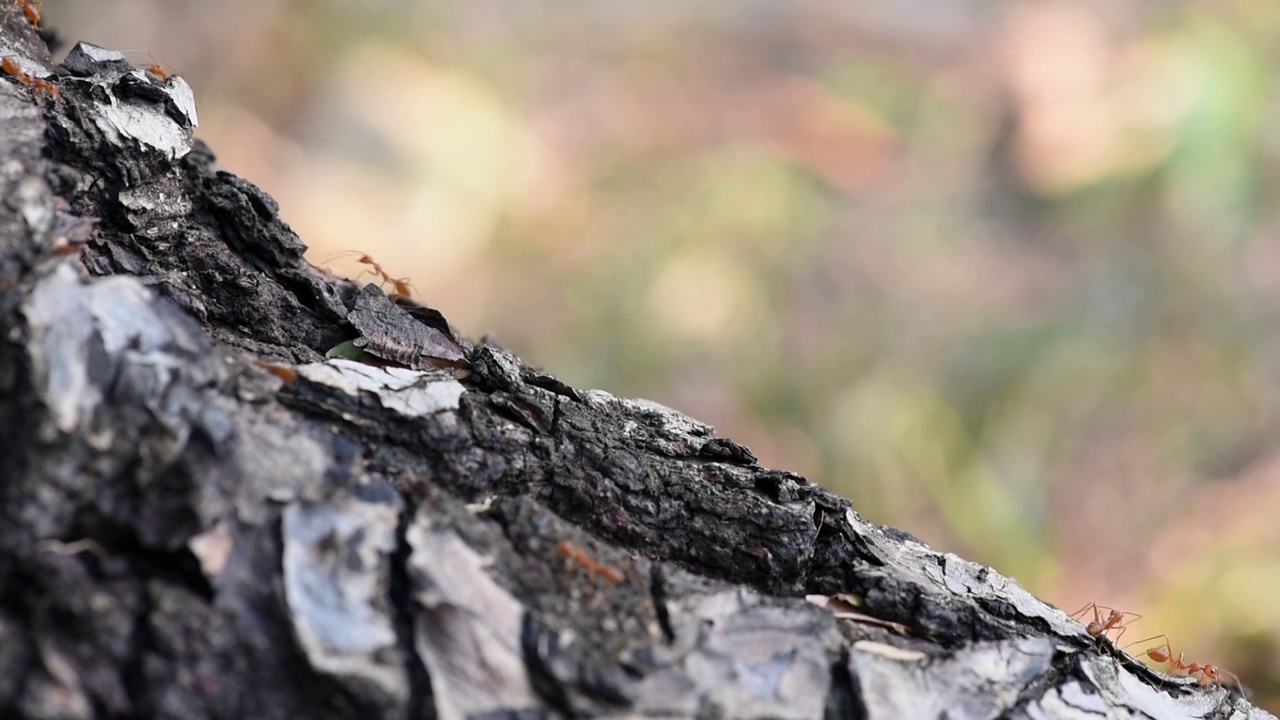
x: 203, y: 517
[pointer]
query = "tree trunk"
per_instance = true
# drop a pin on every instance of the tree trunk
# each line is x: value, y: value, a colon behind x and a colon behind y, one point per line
x: 203, y: 517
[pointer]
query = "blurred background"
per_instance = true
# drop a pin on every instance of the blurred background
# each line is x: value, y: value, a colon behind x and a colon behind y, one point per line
x: 1007, y: 274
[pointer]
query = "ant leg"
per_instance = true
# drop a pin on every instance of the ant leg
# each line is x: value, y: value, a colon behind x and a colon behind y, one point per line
x: 340, y: 254
x: 1147, y: 639
x: 1235, y: 679
x: 1076, y: 615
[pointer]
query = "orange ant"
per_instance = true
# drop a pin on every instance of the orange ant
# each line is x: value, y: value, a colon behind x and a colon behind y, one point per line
x: 284, y: 372
x: 155, y: 69
x: 401, y: 285
x: 569, y: 549
x: 1206, y: 674
x: 31, y: 10
x: 1099, y: 627
x: 158, y: 70
x: 11, y: 66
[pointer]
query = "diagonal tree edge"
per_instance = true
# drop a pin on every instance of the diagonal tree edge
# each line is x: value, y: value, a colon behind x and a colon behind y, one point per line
x: 201, y: 517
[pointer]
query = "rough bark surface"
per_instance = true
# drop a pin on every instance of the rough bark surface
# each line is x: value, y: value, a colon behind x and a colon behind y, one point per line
x: 202, y: 517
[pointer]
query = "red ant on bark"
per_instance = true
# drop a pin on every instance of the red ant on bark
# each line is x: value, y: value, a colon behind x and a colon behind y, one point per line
x: 1205, y: 673
x: 1115, y: 620
x: 402, y: 285
x: 31, y: 10
x: 37, y: 85
x: 155, y: 69
x: 1100, y: 626
x: 611, y: 574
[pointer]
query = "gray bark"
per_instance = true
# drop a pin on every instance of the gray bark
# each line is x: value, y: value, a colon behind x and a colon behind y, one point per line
x: 202, y: 517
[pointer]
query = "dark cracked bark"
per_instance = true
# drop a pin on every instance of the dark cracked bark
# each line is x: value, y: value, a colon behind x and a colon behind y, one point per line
x: 202, y: 517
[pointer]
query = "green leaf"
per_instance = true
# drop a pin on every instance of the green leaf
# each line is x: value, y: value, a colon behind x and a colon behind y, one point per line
x: 348, y: 350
